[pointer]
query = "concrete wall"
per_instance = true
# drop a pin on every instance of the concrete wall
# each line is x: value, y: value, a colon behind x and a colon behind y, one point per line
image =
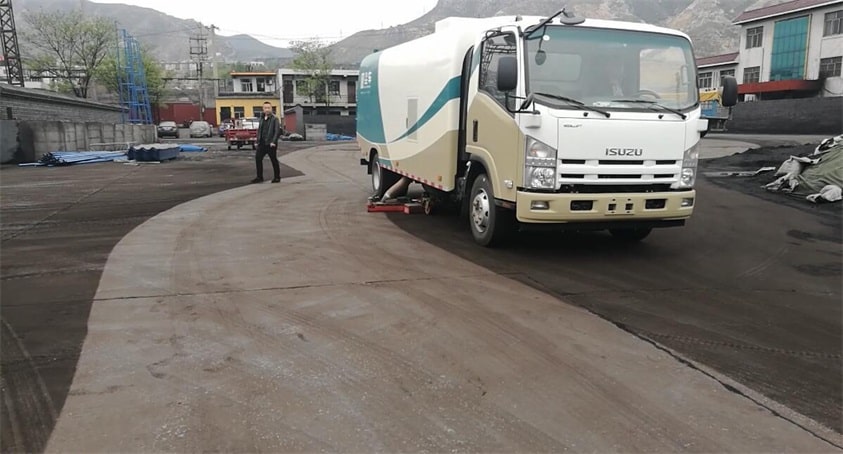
x: 788, y: 116
x: 315, y: 132
x: 8, y: 140
x: 40, y: 137
x: 41, y: 122
x: 29, y: 104
x: 336, y: 124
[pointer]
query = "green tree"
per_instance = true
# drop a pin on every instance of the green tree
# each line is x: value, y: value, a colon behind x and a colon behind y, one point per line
x: 108, y: 74
x: 69, y: 47
x: 313, y: 58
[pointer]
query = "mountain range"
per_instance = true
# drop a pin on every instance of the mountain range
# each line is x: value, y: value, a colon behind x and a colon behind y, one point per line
x: 708, y: 22
x: 167, y: 36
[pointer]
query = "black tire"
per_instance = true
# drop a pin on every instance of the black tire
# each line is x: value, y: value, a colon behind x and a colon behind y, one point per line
x: 730, y: 91
x: 630, y: 235
x: 490, y: 224
x: 382, y: 179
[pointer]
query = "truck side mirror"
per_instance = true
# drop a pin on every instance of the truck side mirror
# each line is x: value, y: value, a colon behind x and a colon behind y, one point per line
x: 730, y: 91
x: 507, y: 74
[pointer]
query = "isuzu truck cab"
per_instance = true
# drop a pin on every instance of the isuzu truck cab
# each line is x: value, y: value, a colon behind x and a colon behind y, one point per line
x: 587, y: 124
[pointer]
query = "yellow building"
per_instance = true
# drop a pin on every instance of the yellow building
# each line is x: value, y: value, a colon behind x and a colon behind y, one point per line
x: 246, y: 96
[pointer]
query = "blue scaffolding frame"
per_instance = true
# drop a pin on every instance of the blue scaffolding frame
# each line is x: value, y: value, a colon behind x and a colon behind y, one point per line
x: 134, y: 94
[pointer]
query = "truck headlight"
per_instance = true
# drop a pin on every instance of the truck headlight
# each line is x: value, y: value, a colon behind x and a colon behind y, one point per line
x: 540, y: 165
x: 688, y: 175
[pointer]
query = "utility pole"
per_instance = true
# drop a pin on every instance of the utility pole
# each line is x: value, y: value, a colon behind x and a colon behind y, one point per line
x: 9, y: 42
x: 199, y: 55
x: 214, y: 61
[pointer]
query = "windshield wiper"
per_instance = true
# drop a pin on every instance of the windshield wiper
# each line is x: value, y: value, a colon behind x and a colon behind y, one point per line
x: 653, y: 104
x: 572, y: 101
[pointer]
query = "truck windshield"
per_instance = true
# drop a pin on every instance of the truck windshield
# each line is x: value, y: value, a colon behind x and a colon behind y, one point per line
x: 603, y: 68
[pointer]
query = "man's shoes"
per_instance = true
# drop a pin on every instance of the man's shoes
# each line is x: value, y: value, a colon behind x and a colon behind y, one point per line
x: 276, y: 180
x: 257, y: 180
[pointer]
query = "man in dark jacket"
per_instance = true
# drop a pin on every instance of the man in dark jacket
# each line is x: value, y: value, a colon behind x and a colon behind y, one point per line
x: 269, y: 132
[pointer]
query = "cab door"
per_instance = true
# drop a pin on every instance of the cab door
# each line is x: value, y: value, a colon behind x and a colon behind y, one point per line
x: 492, y: 134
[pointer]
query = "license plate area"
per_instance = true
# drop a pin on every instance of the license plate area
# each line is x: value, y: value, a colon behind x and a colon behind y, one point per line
x: 620, y: 207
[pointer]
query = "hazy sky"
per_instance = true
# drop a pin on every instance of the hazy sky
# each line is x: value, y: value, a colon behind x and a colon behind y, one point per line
x: 279, y: 21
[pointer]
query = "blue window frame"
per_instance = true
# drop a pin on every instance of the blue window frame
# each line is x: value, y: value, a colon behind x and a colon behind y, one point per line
x: 790, y: 43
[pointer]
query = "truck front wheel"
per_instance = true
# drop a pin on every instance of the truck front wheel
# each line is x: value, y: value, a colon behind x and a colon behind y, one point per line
x: 490, y: 224
x: 630, y: 235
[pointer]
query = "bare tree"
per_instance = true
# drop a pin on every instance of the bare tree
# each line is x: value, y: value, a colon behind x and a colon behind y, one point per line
x: 69, y: 47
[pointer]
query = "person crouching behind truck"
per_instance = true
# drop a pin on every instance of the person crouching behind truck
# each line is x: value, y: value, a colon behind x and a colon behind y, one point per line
x: 269, y: 132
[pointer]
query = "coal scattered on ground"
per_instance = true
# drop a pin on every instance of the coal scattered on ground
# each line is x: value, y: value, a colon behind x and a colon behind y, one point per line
x: 58, y: 227
x: 753, y: 160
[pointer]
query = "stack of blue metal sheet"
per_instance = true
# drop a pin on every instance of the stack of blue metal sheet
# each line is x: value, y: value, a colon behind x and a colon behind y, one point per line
x: 154, y: 152
x: 66, y: 158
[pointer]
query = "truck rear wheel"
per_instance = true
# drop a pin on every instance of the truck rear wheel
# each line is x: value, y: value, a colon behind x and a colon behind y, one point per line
x: 490, y: 224
x: 382, y: 179
x: 630, y: 235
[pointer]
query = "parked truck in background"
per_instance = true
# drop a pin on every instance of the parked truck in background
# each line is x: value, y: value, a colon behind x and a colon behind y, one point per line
x: 713, y: 109
x: 588, y: 124
x: 243, y: 133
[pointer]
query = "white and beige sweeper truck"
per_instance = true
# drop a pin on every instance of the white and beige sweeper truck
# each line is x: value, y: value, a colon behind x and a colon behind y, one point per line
x: 587, y: 124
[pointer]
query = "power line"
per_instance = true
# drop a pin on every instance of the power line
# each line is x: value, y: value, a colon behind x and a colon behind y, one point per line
x: 167, y: 32
x: 364, y: 33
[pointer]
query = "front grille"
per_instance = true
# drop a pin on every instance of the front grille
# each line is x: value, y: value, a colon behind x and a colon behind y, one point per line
x: 618, y: 177
x: 616, y: 162
x: 606, y: 189
x: 613, y: 171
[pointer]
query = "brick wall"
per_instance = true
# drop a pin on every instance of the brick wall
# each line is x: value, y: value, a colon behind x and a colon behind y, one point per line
x: 8, y: 140
x: 788, y: 116
x: 30, y: 104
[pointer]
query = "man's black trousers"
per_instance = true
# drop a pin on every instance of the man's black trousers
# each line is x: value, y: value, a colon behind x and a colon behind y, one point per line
x: 264, y: 150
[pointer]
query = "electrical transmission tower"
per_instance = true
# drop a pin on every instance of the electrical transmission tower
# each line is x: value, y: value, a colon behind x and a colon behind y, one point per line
x: 9, y: 41
x: 199, y: 55
x: 134, y: 94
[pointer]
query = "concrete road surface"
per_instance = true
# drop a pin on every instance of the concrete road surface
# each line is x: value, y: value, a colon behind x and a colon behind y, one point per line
x: 286, y: 318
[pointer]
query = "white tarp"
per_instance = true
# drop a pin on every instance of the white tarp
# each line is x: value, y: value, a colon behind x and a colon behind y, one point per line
x: 819, y: 177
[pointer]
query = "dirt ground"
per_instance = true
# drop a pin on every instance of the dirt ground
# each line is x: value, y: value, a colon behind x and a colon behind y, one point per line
x: 326, y: 328
x: 750, y: 288
x: 58, y: 227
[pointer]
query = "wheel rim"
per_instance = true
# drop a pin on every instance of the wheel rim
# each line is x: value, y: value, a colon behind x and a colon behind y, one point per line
x: 480, y: 211
x: 376, y: 176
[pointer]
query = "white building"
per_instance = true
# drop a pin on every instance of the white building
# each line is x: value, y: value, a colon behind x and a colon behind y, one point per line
x: 245, y: 93
x: 711, y: 70
x: 339, y: 96
x: 793, y: 49
x: 31, y: 79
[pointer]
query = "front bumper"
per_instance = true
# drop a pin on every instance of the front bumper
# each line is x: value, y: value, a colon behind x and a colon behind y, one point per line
x: 609, y: 207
